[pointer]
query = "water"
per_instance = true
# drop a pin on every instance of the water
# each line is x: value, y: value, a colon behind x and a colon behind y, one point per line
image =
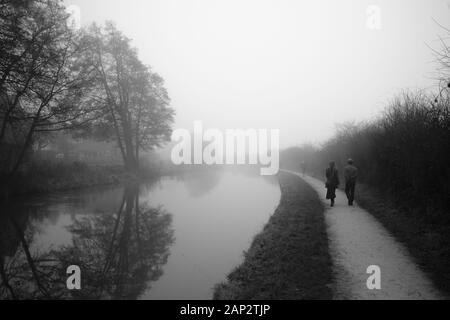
x: 174, y: 238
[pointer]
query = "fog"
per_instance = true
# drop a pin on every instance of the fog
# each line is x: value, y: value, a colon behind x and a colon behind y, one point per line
x: 297, y: 66
x: 224, y: 149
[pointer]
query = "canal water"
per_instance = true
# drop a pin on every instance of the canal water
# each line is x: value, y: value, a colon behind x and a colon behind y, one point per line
x: 172, y: 238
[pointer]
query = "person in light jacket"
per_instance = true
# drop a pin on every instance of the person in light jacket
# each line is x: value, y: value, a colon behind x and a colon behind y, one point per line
x: 350, y: 174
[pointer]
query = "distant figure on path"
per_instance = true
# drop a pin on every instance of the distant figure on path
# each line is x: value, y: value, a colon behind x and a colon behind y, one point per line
x: 303, y: 165
x: 350, y: 174
x: 332, y: 182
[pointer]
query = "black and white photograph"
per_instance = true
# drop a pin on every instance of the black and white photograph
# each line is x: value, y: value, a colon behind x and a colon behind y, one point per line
x: 216, y: 152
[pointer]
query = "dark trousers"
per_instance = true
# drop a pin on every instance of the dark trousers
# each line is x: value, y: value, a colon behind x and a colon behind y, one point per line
x: 350, y: 190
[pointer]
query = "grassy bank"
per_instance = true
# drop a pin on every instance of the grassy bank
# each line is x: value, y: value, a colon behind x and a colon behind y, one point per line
x: 48, y: 177
x: 426, y: 235
x: 289, y: 259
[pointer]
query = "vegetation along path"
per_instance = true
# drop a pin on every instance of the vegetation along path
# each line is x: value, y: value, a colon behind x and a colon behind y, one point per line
x: 357, y: 240
x: 289, y: 258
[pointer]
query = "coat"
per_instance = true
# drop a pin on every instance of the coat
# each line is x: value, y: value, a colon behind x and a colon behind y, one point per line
x: 332, y: 182
x: 332, y: 177
x: 350, y: 173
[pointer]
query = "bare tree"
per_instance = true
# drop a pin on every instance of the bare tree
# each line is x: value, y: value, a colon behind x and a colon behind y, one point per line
x: 43, y: 85
x: 133, y: 101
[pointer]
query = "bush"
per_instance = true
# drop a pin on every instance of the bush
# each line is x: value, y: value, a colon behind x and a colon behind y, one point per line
x: 46, y: 176
x: 404, y: 152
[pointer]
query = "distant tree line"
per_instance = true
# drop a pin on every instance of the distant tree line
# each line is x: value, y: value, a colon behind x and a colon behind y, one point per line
x: 88, y: 82
x: 404, y: 152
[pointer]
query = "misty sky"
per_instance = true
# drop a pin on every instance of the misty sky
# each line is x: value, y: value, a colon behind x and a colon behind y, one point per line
x: 297, y: 66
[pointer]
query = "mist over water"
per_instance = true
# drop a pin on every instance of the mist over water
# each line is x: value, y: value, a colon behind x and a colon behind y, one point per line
x: 206, y: 221
x: 145, y: 147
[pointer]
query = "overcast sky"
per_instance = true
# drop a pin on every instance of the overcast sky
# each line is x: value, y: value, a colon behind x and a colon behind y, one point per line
x: 297, y: 66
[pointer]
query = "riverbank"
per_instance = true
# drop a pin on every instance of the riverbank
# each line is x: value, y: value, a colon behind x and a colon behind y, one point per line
x: 50, y: 177
x: 46, y: 177
x: 289, y: 259
x: 425, y: 233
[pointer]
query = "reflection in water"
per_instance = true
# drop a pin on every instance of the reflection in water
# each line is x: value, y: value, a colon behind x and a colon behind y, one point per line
x: 212, y: 230
x: 19, y: 274
x: 199, y: 184
x: 119, y: 253
x: 120, y: 237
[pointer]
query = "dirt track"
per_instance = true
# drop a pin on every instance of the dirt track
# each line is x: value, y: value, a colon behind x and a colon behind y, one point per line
x: 357, y: 240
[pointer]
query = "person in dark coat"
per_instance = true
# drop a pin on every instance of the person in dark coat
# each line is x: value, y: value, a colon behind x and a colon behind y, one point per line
x: 350, y: 174
x: 332, y: 182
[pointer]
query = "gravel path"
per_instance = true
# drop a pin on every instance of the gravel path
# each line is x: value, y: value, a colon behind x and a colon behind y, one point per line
x: 358, y: 240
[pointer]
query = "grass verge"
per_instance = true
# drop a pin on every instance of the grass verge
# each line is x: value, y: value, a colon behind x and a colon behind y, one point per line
x: 289, y: 259
x: 50, y: 177
x: 426, y: 235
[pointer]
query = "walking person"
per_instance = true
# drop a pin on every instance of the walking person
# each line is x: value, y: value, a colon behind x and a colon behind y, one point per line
x: 350, y: 174
x: 303, y: 166
x: 332, y: 182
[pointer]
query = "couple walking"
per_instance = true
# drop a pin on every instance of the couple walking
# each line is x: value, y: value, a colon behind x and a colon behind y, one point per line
x: 350, y: 175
